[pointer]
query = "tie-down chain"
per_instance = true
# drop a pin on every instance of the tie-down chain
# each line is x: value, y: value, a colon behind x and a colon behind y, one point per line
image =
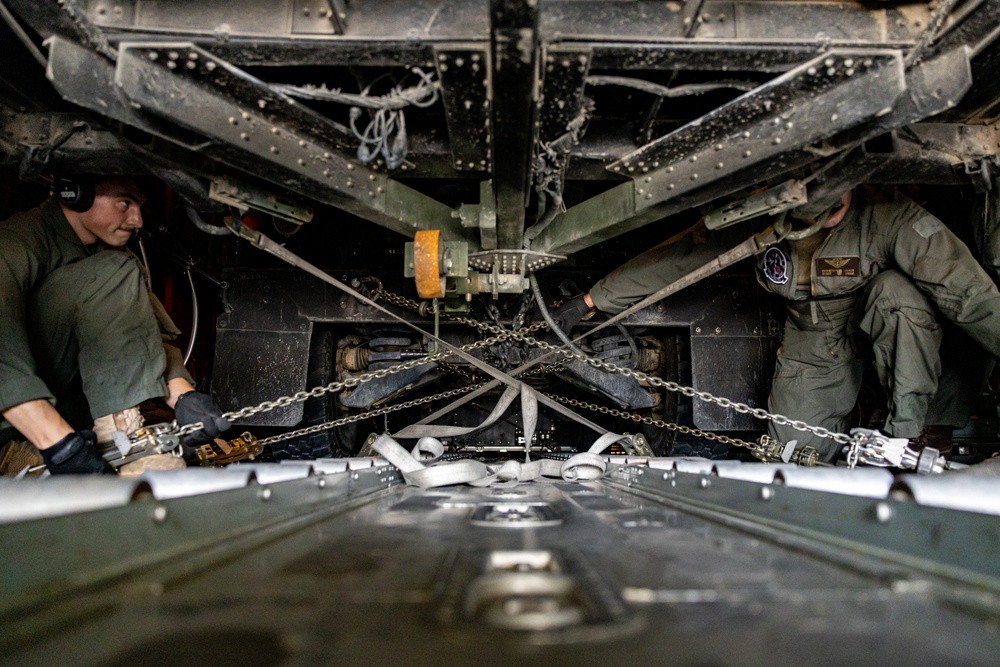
x: 804, y: 456
x: 863, y: 446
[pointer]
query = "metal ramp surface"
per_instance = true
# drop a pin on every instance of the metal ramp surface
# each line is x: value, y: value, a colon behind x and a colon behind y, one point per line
x: 663, y: 561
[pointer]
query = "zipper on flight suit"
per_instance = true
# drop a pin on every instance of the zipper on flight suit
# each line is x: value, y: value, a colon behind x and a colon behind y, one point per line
x: 812, y: 277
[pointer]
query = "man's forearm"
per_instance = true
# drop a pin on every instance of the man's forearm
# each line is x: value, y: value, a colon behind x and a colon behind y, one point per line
x: 175, y: 388
x: 39, y: 422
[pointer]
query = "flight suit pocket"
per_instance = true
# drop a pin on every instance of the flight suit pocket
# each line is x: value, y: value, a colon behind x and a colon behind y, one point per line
x: 811, y: 353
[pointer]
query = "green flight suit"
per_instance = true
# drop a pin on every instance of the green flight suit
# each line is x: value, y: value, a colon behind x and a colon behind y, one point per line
x: 879, y: 281
x: 986, y: 228
x: 78, y: 325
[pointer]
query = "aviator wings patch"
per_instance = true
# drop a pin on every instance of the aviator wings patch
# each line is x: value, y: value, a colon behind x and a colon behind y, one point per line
x: 838, y: 267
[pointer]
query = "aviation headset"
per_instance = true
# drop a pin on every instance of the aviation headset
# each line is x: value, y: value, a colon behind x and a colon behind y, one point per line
x: 75, y: 192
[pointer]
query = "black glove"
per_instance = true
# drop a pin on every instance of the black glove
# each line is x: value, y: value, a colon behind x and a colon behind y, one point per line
x: 76, y: 454
x: 570, y: 313
x: 194, y: 407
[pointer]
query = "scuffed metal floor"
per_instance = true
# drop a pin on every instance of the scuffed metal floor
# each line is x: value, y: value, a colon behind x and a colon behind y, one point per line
x: 651, y: 565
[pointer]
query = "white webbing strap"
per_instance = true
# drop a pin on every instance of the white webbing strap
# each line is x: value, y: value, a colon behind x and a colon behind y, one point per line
x: 445, y: 431
x: 427, y: 473
x: 584, y: 466
x: 529, y: 421
x: 529, y: 417
x: 428, y: 450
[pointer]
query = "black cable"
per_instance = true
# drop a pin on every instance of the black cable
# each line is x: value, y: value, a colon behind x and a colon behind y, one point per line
x: 548, y: 318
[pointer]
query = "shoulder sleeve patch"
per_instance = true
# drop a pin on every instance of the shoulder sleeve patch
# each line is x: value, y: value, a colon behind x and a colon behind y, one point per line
x: 927, y: 226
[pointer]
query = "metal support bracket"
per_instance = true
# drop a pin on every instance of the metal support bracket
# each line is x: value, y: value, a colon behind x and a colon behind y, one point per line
x: 774, y: 200
x: 831, y: 93
x: 464, y: 73
x: 521, y: 262
x: 481, y: 216
x: 245, y: 196
x: 241, y: 121
x: 761, y: 134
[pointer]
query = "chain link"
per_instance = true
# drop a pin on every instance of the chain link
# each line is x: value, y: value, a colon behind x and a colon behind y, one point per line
x: 669, y: 385
x: 302, y: 432
x: 524, y: 335
x: 352, y: 382
x: 395, y: 299
x: 670, y: 426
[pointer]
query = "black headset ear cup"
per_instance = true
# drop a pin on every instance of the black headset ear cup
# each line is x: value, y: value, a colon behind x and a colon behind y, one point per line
x: 75, y: 193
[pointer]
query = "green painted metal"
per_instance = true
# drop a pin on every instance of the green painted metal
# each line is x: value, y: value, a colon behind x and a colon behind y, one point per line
x: 97, y: 547
x: 959, y: 546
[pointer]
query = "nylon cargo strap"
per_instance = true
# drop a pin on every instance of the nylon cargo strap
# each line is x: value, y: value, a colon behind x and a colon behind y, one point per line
x: 445, y: 431
x: 264, y: 243
x: 584, y: 466
x: 422, y: 466
x: 752, y: 246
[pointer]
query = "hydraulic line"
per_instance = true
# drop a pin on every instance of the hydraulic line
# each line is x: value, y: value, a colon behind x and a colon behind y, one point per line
x: 685, y: 90
x: 198, y: 222
x: 194, y: 317
x: 556, y: 329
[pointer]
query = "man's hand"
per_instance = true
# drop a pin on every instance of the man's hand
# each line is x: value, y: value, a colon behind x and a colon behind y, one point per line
x: 194, y: 407
x: 76, y: 454
x: 570, y: 313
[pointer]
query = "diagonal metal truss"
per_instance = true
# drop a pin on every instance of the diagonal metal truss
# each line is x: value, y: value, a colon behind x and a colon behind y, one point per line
x: 834, y: 101
x: 237, y: 119
x: 505, y: 88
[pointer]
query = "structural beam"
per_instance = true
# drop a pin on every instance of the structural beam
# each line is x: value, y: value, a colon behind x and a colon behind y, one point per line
x: 514, y: 35
x: 653, y: 21
x: 765, y: 132
x: 232, y: 117
x: 463, y: 71
x: 831, y: 103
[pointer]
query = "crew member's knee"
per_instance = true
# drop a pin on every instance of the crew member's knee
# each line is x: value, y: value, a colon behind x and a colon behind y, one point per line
x: 892, y: 297
x: 893, y: 289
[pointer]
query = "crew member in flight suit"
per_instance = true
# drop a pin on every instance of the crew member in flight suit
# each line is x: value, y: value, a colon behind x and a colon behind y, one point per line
x: 82, y: 340
x: 880, y: 274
